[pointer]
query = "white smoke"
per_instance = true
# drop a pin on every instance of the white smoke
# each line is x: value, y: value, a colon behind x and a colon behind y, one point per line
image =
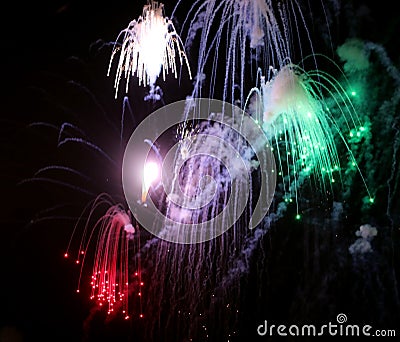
x: 363, y: 244
x: 354, y: 54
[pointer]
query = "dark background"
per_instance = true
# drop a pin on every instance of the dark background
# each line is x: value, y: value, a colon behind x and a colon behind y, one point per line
x: 46, y: 45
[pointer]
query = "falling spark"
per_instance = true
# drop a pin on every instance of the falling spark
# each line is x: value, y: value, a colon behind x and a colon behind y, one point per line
x: 186, y: 135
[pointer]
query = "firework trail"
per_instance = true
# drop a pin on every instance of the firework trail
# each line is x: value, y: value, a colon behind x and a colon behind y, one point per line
x: 238, y: 32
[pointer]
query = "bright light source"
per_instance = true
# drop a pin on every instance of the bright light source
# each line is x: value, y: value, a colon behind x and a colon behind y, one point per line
x: 150, y: 174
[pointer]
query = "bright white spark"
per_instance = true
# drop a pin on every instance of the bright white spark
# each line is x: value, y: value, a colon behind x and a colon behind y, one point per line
x: 150, y: 174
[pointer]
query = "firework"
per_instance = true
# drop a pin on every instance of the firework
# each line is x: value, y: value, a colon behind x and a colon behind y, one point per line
x: 291, y: 108
x: 114, y: 235
x: 239, y: 31
x: 150, y: 46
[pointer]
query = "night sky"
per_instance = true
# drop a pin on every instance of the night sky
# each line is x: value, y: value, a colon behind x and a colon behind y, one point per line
x: 54, y: 70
